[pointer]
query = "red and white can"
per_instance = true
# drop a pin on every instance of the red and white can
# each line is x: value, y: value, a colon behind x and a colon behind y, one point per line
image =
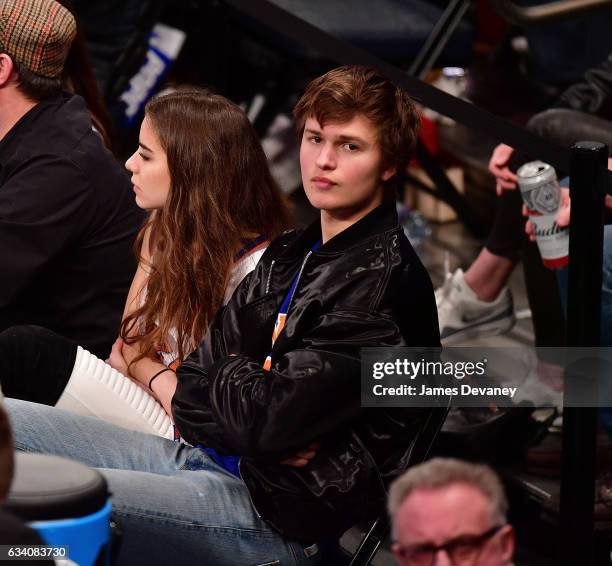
x: 541, y: 194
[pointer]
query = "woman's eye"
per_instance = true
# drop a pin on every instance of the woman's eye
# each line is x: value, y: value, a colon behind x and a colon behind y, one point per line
x: 351, y: 147
x: 143, y: 156
x: 315, y: 139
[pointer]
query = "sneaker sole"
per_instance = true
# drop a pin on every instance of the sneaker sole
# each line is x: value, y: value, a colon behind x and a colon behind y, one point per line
x: 491, y: 328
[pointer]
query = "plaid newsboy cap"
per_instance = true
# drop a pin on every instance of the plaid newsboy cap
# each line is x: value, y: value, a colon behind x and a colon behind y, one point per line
x: 37, y: 34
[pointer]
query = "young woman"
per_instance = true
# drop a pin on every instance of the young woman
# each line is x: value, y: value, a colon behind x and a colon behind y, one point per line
x: 214, y: 206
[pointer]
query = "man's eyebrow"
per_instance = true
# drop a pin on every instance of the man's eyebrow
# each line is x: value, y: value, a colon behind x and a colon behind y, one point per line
x: 353, y: 139
x: 145, y: 147
x: 342, y: 138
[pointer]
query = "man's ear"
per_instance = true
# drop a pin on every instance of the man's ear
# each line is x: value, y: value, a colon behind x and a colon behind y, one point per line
x: 388, y: 173
x: 6, y: 69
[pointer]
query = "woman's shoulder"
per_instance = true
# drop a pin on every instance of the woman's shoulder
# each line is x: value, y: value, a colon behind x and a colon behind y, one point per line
x: 248, y: 261
x: 245, y: 263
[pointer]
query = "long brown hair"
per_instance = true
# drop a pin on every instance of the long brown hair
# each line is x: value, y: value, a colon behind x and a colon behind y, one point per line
x: 220, y: 190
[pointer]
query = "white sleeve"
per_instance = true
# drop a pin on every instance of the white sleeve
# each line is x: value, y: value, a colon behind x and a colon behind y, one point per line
x: 95, y: 389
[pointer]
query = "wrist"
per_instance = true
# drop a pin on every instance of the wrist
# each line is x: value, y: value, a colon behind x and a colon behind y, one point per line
x: 164, y: 381
x: 163, y: 390
x: 157, y: 375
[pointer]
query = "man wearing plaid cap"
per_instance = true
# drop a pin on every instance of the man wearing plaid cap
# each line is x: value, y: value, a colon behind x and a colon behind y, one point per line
x: 67, y: 212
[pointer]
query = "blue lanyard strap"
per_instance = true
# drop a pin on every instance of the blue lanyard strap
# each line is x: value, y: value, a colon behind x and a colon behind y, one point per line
x: 289, y: 297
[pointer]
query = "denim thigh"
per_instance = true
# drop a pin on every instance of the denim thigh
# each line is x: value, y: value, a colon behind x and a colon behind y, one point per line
x: 174, y: 504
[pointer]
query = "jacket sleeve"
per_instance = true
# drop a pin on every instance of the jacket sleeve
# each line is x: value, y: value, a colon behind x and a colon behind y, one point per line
x: 191, y: 409
x: 593, y: 94
x: 237, y: 406
x: 43, y: 207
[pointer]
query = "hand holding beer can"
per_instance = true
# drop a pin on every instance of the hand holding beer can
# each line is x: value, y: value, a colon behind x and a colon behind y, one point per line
x: 541, y: 194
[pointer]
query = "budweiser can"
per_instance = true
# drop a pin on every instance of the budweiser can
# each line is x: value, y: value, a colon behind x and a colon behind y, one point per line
x: 541, y: 194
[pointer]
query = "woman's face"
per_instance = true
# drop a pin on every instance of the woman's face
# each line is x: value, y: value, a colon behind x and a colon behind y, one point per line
x: 149, y: 168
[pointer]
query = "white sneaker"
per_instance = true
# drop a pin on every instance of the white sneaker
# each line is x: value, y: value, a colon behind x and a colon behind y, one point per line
x: 463, y: 315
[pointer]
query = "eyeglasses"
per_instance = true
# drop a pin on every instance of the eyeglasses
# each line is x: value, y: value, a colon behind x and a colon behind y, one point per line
x: 462, y: 551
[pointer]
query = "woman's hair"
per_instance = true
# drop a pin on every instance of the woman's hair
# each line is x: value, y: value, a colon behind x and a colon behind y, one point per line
x: 342, y: 93
x: 220, y: 190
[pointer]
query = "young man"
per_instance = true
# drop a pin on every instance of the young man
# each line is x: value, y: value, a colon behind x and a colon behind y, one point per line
x: 67, y: 213
x: 282, y: 454
x: 446, y: 511
x: 348, y: 281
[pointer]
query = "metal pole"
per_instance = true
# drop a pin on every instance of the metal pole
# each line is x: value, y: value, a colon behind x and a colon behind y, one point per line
x: 587, y: 173
x: 438, y: 38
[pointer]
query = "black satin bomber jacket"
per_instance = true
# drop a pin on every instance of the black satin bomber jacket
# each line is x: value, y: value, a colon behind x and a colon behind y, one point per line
x: 364, y: 287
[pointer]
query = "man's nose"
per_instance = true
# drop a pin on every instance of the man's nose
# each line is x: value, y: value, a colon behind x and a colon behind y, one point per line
x: 327, y: 157
x: 441, y: 558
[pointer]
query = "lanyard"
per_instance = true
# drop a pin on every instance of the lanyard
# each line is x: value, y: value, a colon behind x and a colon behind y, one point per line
x: 284, y: 308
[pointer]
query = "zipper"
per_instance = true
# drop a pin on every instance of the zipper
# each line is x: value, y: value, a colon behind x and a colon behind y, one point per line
x: 270, y: 276
x: 298, y: 281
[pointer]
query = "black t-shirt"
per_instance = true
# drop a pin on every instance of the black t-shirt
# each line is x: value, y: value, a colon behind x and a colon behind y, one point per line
x: 68, y: 220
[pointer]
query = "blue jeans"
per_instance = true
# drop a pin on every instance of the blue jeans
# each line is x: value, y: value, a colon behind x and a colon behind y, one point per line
x: 173, y: 503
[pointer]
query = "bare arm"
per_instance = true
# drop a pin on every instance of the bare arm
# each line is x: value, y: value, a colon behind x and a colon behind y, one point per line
x: 143, y: 370
x: 123, y: 354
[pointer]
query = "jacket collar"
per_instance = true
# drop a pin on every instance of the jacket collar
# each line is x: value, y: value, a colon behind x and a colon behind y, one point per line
x: 378, y: 221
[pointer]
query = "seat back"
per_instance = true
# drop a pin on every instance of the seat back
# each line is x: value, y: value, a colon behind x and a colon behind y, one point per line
x: 66, y: 502
x: 380, y: 528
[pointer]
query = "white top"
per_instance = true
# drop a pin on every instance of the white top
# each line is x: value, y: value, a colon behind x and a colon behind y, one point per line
x: 241, y: 269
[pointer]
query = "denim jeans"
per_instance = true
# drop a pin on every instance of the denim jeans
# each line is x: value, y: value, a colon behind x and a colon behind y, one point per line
x: 173, y: 503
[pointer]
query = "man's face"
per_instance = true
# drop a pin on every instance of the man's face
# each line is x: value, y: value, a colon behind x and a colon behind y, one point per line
x: 341, y: 167
x: 456, y: 517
